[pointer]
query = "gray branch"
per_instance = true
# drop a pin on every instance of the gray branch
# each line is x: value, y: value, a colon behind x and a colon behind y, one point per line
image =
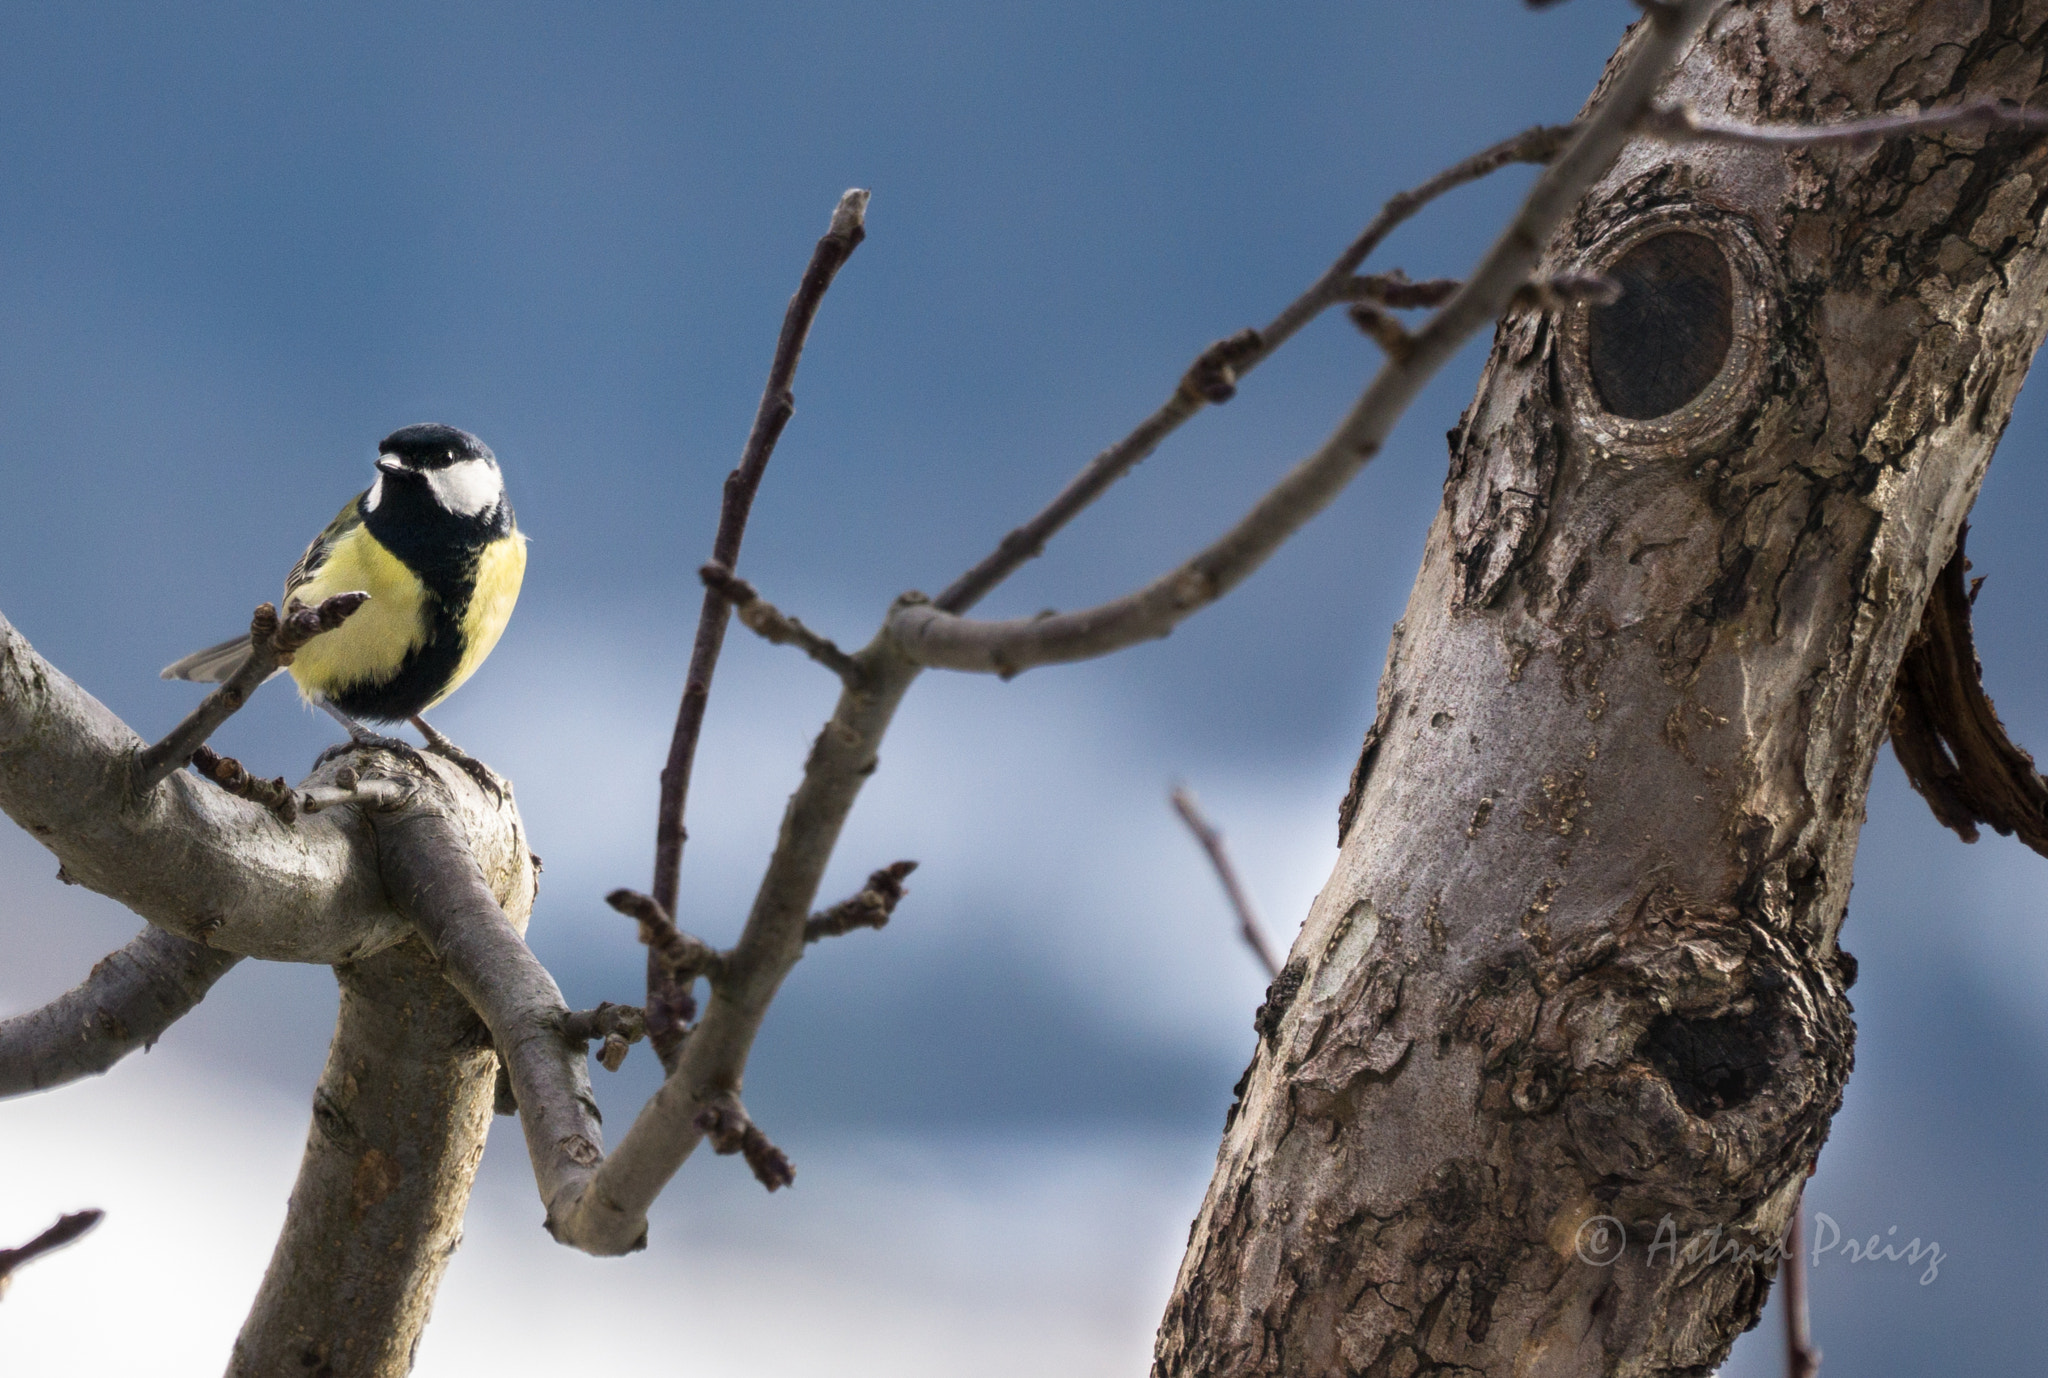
x: 931, y: 635
x: 129, y: 999
x: 435, y: 881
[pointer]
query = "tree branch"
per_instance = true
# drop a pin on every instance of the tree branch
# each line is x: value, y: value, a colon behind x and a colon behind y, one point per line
x: 932, y: 635
x: 778, y: 403
x: 435, y: 882
x: 273, y: 641
x: 1240, y: 903
x: 129, y: 999
x: 1214, y: 375
x: 187, y: 856
x: 771, y: 624
x: 1946, y: 733
x: 871, y: 908
x: 67, y: 1229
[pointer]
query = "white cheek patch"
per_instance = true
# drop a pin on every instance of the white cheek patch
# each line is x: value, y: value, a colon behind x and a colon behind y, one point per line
x: 376, y: 495
x: 467, y: 488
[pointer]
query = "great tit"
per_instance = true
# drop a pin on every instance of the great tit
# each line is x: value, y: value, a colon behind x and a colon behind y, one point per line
x: 434, y: 544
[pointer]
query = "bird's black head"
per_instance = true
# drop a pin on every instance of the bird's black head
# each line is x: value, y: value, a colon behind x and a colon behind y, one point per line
x: 429, y: 473
x: 433, y: 446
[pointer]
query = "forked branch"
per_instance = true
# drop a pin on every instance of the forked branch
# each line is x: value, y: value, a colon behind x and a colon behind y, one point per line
x: 931, y: 634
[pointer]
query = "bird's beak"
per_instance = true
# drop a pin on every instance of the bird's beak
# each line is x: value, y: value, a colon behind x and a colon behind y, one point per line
x: 392, y: 464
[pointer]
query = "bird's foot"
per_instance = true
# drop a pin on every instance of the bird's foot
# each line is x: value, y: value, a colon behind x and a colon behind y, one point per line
x: 362, y: 739
x: 486, y: 778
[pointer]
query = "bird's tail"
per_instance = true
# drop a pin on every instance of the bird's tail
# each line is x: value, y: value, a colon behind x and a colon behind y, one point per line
x: 212, y: 665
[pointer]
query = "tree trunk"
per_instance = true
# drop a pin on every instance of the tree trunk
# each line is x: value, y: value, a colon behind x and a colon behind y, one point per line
x: 1563, y: 1034
x: 398, y: 1129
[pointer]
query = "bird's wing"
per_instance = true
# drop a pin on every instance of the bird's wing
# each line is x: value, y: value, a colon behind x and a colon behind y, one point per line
x: 217, y: 663
x: 345, y: 521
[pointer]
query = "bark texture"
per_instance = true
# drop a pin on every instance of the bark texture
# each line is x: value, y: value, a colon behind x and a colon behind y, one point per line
x: 399, y: 1121
x: 1575, y: 977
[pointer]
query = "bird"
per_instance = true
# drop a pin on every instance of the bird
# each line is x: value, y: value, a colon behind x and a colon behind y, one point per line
x: 434, y: 543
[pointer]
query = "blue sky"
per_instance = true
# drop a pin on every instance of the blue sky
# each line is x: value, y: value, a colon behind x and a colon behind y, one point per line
x: 241, y: 243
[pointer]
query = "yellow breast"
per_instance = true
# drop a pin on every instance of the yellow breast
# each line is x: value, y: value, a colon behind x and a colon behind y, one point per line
x: 372, y: 644
x: 499, y: 573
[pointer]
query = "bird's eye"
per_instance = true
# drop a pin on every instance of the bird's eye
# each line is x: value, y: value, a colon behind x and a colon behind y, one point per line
x: 1660, y: 344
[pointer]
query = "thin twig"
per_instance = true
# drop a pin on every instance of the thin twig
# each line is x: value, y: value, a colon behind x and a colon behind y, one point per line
x: 613, y: 1027
x: 67, y: 1229
x: 934, y: 636
x: 131, y: 996
x: 870, y: 908
x: 1678, y: 124
x: 726, y: 1124
x: 1248, y: 925
x: 230, y: 774
x: 674, y: 962
x: 1215, y: 374
x: 1802, y: 1360
x: 778, y: 403
x: 771, y: 624
x: 272, y: 643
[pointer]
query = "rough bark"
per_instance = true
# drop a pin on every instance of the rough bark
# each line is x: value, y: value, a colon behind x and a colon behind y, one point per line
x: 398, y: 1129
x: 1575, y: 974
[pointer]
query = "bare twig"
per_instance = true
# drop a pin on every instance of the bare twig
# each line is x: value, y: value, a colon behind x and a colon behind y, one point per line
x: 614, y: 1027
x: 67, y: 1229
x: 227, y: 772
x: 1802, y: 1360
x: 272, y: 644
x: 1240, y: 903
x: 674, y: 960
x: 1678, y: 124
x: 870, y: 908
x: 771, y: 624
x: 1215, y: 374
x: 130, y: 998
x: 778, y: 403
x: 1395, y: 290
x: 352, y: 787
x: 932, y: 635
x: 726, y: 1124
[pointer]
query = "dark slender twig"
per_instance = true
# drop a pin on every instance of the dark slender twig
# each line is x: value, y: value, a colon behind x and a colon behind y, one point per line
x: 1219, y: 857
x: 272, y: 643
x: 771, y: 624
x: 67, y: 1229
x: 778, y: 403
x: 870, y: 908
x: 1214, y: 375
x: 1802, y: 1360
x: 674, y: 962
x: 725, y: 1123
